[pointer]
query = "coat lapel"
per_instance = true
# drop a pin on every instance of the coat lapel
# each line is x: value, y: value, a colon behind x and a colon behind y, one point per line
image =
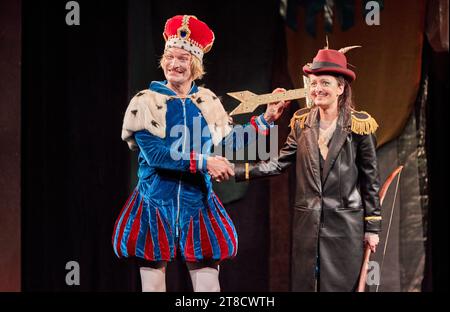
x: 311, y: 137
x: 337, y: 141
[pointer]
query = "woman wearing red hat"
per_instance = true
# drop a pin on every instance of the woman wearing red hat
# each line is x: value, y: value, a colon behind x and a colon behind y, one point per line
x: 174, y: 211
x: 337, y: 206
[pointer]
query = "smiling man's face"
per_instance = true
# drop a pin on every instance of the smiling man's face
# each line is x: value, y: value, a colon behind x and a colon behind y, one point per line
x: 176, y: 65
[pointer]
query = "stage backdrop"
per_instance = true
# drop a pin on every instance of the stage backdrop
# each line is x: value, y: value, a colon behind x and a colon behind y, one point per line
x: 388, y: 68
x: 387, y: 65
x: 77, y: 173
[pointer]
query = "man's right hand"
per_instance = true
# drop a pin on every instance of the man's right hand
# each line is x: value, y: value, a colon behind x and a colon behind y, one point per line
x: 219, y: 168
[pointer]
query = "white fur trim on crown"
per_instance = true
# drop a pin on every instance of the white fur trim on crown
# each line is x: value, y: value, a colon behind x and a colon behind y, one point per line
x: 184, y: 44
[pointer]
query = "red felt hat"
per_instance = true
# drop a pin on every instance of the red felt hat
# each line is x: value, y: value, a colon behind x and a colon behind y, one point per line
x: 188, y: 33
x: 332, y: 62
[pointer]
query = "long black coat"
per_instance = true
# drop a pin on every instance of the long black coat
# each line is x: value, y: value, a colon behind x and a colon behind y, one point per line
x: 333, y: 206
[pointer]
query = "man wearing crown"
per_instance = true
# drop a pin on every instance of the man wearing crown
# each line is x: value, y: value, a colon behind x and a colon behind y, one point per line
x: 173, y: 210
x: 337, y: 207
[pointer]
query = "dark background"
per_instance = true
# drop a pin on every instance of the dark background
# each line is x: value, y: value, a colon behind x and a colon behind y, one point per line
x: 76, y: 173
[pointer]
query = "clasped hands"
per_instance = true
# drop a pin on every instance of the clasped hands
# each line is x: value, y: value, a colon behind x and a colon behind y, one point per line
x: 219, y: 168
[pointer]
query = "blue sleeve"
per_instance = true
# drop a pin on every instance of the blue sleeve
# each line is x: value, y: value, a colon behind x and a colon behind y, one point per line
x: 158, y: 155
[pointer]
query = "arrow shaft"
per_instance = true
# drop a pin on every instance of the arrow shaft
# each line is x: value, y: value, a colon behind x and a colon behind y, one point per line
x: 253, y: 102
x: 276, y: 97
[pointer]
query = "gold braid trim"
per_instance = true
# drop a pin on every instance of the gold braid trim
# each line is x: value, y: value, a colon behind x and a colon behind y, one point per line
x: 372, y: 218
x: 366, y: 125
x: 300, y: 118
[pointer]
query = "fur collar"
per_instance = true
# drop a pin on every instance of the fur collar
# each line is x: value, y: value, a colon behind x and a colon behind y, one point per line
x: 147, y: 111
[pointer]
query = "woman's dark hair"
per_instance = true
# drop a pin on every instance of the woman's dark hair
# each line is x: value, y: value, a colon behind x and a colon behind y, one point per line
x: 345, y: 99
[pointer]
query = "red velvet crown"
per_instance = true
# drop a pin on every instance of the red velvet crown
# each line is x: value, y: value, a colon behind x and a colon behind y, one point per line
x: 188, y: 33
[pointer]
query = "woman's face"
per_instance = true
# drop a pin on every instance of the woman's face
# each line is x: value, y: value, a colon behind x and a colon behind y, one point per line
x: 324, y: 90
x: 176, y: 65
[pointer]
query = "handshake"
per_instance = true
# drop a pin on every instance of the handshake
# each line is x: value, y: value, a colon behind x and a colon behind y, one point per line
x: 219, y: 168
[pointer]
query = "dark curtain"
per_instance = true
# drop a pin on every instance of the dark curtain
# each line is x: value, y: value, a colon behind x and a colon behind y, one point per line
x: 436, y: 274
x: 10, y: 52
x: 75, y: 168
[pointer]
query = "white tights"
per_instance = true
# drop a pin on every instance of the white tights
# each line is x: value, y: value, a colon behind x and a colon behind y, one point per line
x: 204, y: 279
x: 153, y: 280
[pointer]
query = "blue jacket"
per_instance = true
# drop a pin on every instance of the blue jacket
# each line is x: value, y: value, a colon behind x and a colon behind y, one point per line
x: 174, y: 208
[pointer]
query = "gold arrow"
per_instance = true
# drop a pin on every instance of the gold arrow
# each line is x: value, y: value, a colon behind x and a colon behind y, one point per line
x: 250, y: 101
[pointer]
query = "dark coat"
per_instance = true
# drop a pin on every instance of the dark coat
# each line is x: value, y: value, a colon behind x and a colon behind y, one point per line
x: 333, y: 206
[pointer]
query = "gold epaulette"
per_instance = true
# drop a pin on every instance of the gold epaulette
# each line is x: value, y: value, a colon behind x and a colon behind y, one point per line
x: 300, y: 115
x: 363, y: 123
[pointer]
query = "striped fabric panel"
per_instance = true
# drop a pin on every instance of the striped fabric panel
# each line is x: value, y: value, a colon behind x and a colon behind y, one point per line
x: 118, y: 220
x: 127, y: 226
x: 226, y: 220
x: 153, y: 227
x: 131, y: 243
x: 142, y: 233
x: 211, y: 235
x: 166, y: 222
x: 148, y: 247
x: 205, y: 242
x: 189, y: 244
x: 224, y: 246
x: 163, y: 240
x: 123, y: 220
